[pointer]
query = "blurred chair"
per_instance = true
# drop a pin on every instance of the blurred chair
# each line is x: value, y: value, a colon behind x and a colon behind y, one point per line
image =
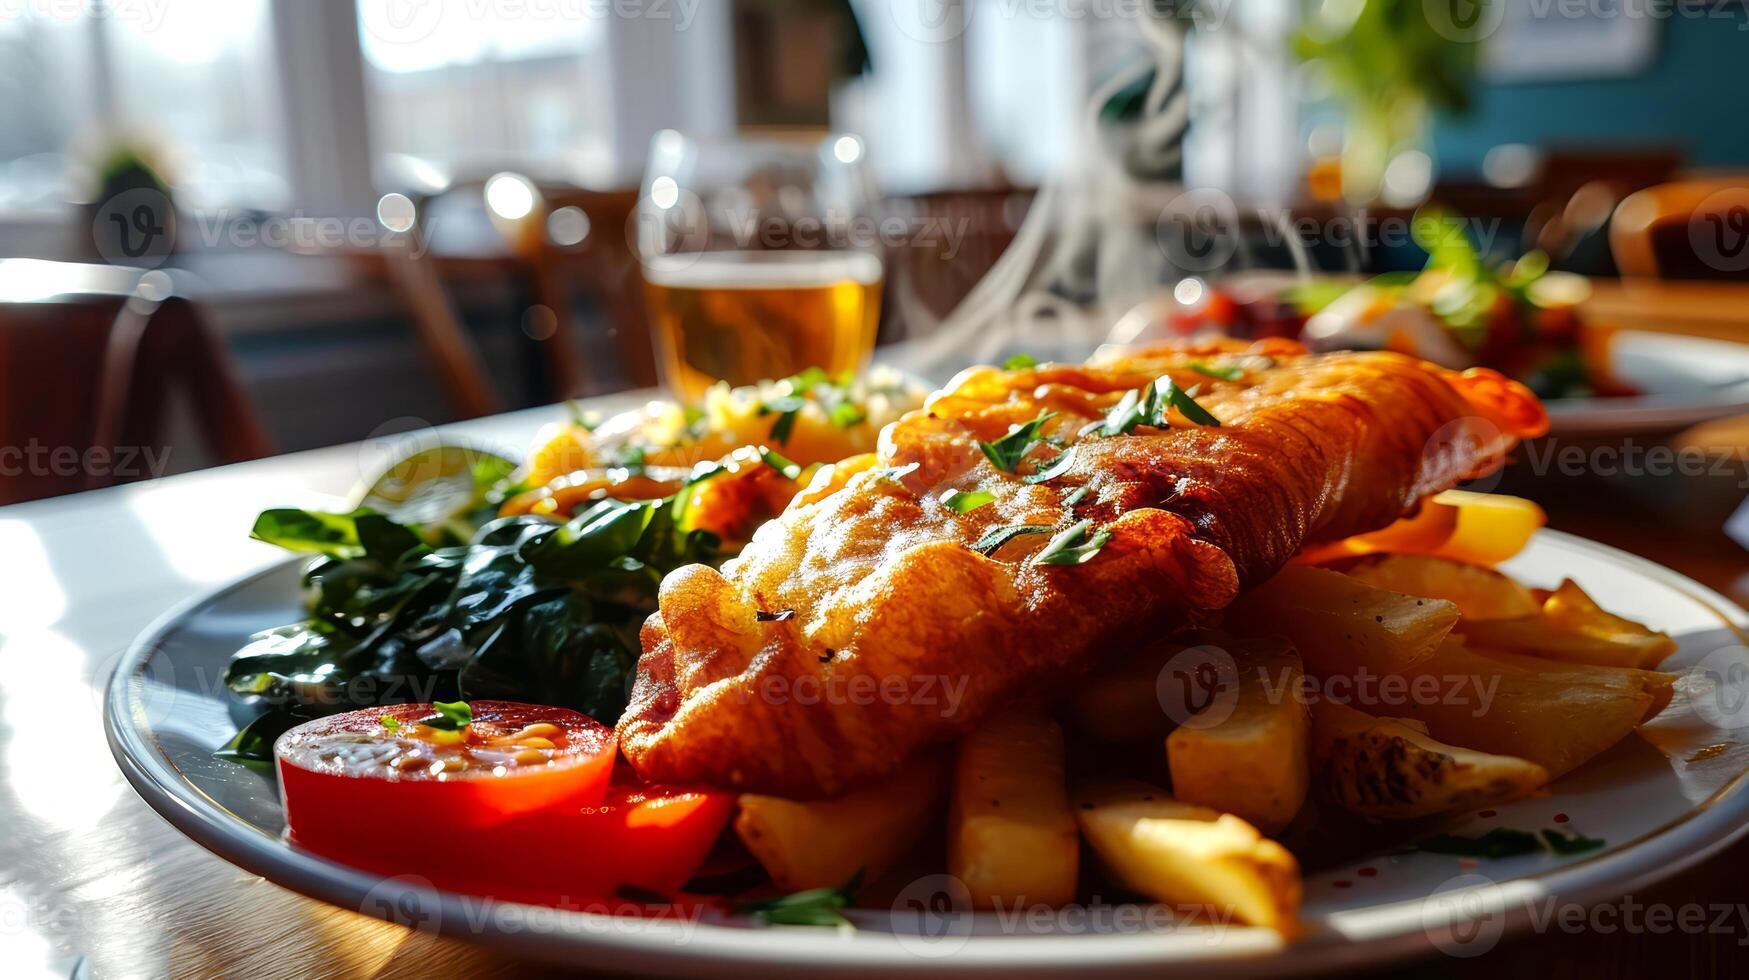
x: 583, y: 245
x: 405, y: 262
x: 91, y: 360
x: 1696, y: 229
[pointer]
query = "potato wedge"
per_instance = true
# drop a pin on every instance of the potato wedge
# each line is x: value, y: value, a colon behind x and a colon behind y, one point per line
x: 1249, y: 755
x: 1391, y: 769
x: 1189, y: 856
x: 1340, y: 624
x: 820, y: 843
x: 1011, y: 833
x: 1479, y: 591
x: 1573, y: 627
x: 1480, y: 528
x: 1120, y: 700
x: 1554, y: 714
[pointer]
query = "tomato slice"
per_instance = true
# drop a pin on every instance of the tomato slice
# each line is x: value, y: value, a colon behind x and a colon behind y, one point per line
x: 461, y: 811
x: 378, y: 788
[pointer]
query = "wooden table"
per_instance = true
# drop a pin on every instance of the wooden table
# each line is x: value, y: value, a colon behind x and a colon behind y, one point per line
x: 89, y: 873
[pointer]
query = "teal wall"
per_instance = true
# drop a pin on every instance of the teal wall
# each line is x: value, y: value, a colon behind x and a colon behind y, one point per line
x: 1695, y: 96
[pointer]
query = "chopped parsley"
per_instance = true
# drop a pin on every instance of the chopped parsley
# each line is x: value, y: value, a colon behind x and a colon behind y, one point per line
x: 963, y: 502
x: 1055, y: 468
x: 450, y: 716
x: 845, y: 414
x: 1073, y: 546
x: 1020, y: 362
x: 1501, y: 842
x: 814, y: 907
x: 1006, y: 453
x: 390, y: 722
x: 789, y: 468
x: 996, y: 537
x: 1149, y: 406
x: 1230, y: 373
x: 1180, y: 399
x: 1574, y: 843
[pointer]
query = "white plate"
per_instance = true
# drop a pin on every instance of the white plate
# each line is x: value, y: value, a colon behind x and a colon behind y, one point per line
x: 1658, y: 811
x: 1685, y: 381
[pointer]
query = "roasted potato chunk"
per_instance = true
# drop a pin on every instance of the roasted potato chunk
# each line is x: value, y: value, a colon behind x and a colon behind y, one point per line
x: 1248, y: 753
x: 1572, y: 627
x: 1480, y: 528
x: 1391, y: 769
x: 1340, y: 624
x: 1011, y: 834
x: 1554, y: 714
x: 1480, y: 592
x: 1189, y: 856
x: 820, y: 843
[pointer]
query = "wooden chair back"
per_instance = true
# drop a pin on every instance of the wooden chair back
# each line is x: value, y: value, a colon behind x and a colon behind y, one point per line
x: 91, y: 360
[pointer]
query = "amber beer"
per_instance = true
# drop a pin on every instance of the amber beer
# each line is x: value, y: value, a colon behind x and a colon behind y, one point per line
x: 747, y: 315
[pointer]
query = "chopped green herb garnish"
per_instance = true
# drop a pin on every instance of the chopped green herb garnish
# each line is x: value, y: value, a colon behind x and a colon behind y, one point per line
x: 1073, y: 546
x: 1231, y: 373
x: 1178, y: 398
x: 996, y: 537
x: 587, y: 421
x: 1055, y: 468
x: 964, y: 502
x: 390, y: 722
x: 781, y: 429
x: 814, y: 907
x: 450, y: 716
x: 787, y: 467
x: 631, y: 460
x: 1020, y: 362
x: 1075, y: 497
x: 846, y: 414
x: 1006, y: 453
x: 808, y: 378
x: 1500, y: 842
x: 1574, y: 843
x: 787, y: 408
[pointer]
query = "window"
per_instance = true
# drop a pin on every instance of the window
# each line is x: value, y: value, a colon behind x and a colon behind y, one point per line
x: 188, y: 85
x: 459, y: 89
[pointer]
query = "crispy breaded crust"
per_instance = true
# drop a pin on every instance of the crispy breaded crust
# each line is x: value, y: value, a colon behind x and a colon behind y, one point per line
x: 862, y: 625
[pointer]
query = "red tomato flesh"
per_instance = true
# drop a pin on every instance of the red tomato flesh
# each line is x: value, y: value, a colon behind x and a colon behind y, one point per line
x: 460, y: 810
x: 375, y: 787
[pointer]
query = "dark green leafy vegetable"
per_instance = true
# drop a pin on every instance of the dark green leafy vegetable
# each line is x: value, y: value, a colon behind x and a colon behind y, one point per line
x: 1074, y: 546
x: 814, y: 907
x: 1006, y: 453
x: 530, y: 609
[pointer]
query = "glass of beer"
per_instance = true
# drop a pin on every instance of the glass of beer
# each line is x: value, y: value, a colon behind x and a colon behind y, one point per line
x: 760, y: 258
